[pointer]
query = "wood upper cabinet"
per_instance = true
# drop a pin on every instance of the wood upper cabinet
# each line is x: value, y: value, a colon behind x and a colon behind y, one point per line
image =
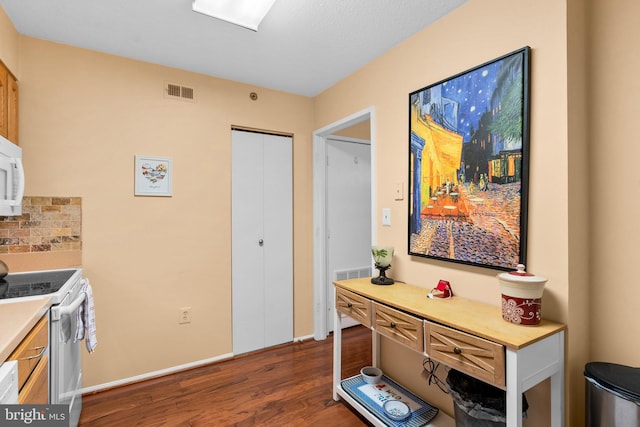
x: 12, y: 107
x: 4, y: 101
x: 8, y: 105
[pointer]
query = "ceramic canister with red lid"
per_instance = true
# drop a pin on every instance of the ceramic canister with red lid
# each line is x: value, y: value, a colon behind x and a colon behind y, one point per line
x: 521, y: 296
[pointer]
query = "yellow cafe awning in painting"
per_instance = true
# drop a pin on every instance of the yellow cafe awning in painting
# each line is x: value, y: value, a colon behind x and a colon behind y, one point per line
x: 441, y: 154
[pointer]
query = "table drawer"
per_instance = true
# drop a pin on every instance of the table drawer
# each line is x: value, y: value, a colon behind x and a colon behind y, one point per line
x: 399, y: 326
x: 467, y: 353
x: 354, y: 305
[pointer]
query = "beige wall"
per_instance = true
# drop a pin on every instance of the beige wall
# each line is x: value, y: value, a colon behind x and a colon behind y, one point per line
x: 8, y: 43
x: 613, y: 135
x: 361, y: 130
x: 578, y: 297
x: 583, y: 174
x: 475, y: 33
x: 84, y: 115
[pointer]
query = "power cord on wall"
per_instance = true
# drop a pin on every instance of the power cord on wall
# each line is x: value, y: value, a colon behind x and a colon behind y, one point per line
x: 430, y: 367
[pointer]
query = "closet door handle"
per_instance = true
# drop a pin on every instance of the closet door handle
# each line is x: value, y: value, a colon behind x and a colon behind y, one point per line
x: 260, y: 242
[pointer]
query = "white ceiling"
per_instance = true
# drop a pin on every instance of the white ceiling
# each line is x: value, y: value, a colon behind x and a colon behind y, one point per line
x: 302, y: 46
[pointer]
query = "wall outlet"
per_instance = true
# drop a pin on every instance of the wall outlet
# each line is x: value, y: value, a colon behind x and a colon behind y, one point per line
x: 185, y: 315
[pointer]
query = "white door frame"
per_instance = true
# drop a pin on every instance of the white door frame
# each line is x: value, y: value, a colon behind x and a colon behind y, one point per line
x: 320, y: 208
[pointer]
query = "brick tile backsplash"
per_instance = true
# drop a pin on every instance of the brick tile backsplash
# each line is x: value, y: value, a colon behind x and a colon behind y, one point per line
x: 47, y: 224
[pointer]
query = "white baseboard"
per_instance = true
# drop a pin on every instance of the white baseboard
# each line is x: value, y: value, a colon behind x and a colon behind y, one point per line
x: 172, y: 370
x: 304, y: 338
x: 155, y: 374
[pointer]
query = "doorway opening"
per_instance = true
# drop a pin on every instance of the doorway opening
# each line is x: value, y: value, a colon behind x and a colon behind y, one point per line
x: 323, y: 290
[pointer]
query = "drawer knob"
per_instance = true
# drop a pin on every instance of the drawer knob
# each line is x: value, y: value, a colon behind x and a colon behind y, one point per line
x: 349, y: 305
x: 393, y: 324
x: 457, y: 350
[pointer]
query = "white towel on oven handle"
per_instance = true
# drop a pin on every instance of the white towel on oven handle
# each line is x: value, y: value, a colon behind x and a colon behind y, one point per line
x: 65, y: 328
x: 87, y: 319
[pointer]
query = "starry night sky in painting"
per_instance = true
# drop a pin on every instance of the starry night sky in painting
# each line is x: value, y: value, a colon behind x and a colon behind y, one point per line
x: 472, y: 92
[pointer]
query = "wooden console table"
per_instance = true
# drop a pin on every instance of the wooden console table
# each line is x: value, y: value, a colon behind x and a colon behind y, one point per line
x: 463, y: 334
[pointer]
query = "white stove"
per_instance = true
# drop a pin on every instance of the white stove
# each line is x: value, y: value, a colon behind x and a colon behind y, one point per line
x: 36, y: 284
x: 64, y: 287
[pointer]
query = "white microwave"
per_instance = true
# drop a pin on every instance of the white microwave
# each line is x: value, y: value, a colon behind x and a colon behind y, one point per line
x: 11, y: 178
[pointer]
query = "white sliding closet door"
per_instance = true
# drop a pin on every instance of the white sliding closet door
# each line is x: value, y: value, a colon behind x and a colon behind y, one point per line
x: 262, y: 240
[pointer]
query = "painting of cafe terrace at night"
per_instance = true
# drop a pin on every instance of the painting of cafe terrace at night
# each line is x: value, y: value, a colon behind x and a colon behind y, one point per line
x: 468, y: 161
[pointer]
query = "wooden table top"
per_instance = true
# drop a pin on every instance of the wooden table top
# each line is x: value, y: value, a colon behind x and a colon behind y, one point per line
x: 463, y: 314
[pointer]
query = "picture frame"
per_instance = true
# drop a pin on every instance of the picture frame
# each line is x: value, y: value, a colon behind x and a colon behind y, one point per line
x: 153, y: 176
x: 469, y: 165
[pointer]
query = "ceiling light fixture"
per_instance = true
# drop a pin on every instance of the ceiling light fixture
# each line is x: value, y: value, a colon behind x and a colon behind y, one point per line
x: 245, y: 13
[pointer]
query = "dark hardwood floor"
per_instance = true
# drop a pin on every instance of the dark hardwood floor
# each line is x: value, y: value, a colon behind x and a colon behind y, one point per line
x: 289, y: 385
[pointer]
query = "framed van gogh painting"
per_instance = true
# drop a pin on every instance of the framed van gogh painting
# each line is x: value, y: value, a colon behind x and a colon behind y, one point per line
x: 468, y: 165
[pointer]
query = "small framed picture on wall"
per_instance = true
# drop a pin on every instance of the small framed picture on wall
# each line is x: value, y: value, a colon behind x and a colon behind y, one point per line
x: 153, y: 176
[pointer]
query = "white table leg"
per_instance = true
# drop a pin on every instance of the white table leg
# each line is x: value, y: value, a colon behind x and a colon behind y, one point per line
x: 557, y: 389
x: 337, y: 352
x: 375, y: 349
x: 514, y: 391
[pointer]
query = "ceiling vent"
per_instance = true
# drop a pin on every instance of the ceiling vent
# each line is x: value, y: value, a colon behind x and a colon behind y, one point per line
x: 176, y: 91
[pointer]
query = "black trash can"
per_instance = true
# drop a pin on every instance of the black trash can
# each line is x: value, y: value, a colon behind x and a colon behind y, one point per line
x: 476, y: 403
x: 612, y: 395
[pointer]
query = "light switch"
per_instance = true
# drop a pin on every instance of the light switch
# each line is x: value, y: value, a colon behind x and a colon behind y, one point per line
x: 399, y: 191
x: 386, y: 216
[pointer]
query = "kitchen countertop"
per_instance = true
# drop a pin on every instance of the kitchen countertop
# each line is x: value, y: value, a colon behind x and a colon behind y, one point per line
x: 17, y: 319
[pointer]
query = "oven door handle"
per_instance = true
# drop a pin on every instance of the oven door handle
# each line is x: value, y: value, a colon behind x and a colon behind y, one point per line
x: 57, y: 311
